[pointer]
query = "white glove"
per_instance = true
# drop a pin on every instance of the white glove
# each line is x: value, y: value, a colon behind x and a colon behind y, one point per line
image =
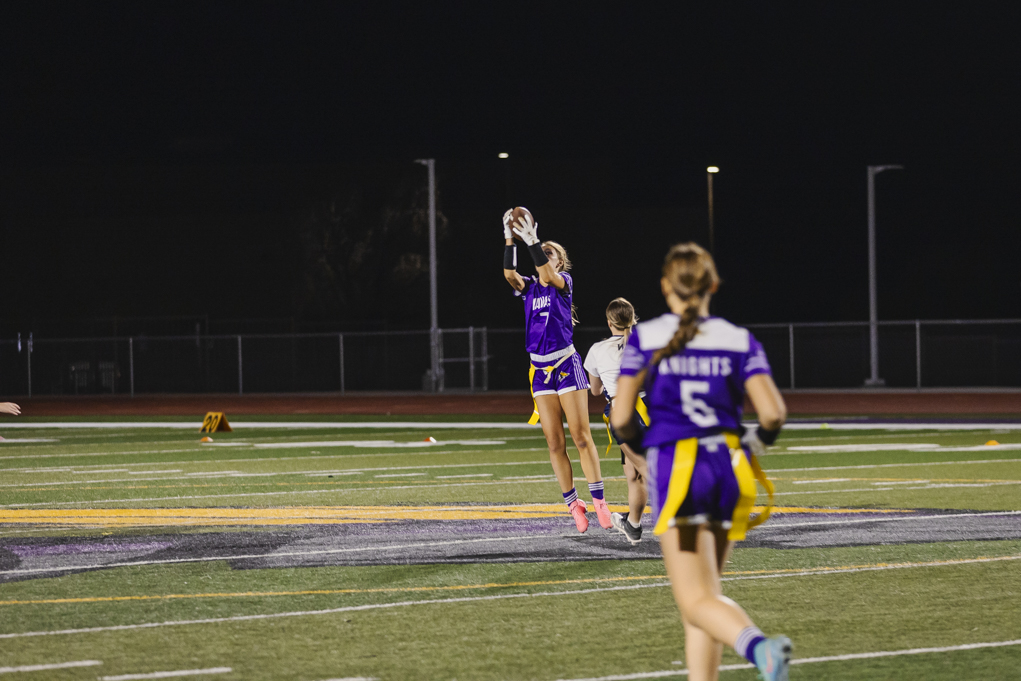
x: 526, y: 229
x: 507, y: 224
x: 752, y: 442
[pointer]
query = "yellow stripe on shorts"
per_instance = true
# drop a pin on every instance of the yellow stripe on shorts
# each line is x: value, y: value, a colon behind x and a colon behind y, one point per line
x: 680, y: 478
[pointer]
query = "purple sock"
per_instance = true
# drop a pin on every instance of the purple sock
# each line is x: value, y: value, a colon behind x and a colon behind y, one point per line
x: 746, y: 642
x: 596, y: 489
x: 571, y: 497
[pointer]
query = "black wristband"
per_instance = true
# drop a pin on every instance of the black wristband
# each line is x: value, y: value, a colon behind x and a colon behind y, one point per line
x: 768, y: 437
x: 538, y: 256
x: 510, y: 257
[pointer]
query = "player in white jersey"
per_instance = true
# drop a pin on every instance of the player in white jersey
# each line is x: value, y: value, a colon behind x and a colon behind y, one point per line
x: 603, y: 366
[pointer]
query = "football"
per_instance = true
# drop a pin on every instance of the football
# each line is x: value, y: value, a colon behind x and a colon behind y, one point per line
x: 517, y: 213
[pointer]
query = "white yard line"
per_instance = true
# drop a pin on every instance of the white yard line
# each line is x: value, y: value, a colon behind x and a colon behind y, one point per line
x: 377, y: 443
x: 192, y: 476
x: 40, y: 469
x: 891, y: 465
x: 493, y: 597
x: 75, y: 456
x: 48, y: 667
x: 898, y: 489
x: 875, y: 447
x: 887, y: 519
x: 167, y: 675
x: 18, y: 441
x: 469, y: 475
x: 299, y: 425
x: 336, y: 490
x: 509, y: 425
x: 809, y: 660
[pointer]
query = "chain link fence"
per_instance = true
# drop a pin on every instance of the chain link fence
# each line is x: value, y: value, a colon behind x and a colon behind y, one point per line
x: 912, y: 354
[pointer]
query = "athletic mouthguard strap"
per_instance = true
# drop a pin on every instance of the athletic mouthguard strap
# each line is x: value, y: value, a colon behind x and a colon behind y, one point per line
x: 538, y: 256
x: 768, y: 437
x: 510, y: 257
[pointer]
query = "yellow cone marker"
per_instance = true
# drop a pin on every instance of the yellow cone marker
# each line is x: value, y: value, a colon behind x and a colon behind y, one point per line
x: 206, y: 439
x: 992, y: 443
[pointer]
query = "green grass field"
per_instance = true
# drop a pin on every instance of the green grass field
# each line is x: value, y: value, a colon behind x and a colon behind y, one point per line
x: 129, y: 551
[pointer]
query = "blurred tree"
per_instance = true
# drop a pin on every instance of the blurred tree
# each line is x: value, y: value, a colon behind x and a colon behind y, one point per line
x: 364, y: 254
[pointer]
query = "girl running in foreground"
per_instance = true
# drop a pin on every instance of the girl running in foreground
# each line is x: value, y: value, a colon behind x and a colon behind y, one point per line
x: 697, y: 370
x: 603, y: 365
x: 559, y: 387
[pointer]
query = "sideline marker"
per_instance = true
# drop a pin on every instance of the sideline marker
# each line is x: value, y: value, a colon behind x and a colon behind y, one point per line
x: 992, y: 443
x: 215, y: 422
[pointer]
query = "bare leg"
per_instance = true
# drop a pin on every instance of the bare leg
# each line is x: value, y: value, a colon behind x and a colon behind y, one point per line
x: 575, y: 405
x: 702, y: 653
x: 551, y: 419
x: 693, y: 556
x: 637, y: 495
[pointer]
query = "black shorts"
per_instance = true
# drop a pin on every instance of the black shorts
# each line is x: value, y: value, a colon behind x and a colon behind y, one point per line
x: 641, y: 429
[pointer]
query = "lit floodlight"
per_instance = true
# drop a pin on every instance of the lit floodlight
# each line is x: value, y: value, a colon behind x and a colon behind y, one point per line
x: 712, y: 169
x: 503, y: 154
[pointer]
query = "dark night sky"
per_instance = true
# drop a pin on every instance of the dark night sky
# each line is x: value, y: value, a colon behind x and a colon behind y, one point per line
x: 155, y: 159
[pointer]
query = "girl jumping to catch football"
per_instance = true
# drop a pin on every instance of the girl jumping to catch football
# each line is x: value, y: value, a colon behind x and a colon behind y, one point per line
x: 557, y: 377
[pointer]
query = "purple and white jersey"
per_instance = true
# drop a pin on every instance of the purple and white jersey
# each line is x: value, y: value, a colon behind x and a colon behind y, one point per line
x: 699, y: 391
x: 548, y: 325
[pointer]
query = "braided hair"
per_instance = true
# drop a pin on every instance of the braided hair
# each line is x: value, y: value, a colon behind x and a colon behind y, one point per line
x: 691, y: 273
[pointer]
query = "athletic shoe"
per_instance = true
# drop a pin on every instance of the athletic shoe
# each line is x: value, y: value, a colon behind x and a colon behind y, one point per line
x: 621, y: 524
x: 773, y: 657
x: 603, y: 513
x: 578, y: 509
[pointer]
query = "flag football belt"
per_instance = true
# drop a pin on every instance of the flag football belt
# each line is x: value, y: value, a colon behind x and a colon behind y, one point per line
x: 643, y: 413
x: 746, y: 469
x: 549, y: 374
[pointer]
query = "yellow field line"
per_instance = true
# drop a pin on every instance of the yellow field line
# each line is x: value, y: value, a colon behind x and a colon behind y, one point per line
x: 497, y: 585
x: 317, y: 514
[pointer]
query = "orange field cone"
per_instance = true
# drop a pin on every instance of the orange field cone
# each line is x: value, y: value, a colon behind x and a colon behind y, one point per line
x: 429, y: 439
x: 992, y: 443
x: 206, y: 439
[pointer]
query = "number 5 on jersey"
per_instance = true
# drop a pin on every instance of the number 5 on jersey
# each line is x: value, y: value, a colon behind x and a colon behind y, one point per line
x: 700, y: 413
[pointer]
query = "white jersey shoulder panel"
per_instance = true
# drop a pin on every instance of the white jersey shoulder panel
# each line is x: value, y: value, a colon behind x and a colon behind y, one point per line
x: 655, y: 333
x: 719, y: 334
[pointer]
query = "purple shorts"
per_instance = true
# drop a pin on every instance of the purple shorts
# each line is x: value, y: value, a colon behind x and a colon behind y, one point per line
x: 570, y: 375
x: 692, y: 482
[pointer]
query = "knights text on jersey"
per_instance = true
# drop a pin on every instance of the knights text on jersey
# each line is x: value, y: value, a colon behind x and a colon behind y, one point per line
x: 603, y: 360
x: 548, y: 326
x: 700, y: 390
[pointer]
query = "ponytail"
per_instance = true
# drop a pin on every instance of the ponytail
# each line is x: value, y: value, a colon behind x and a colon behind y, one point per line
x: 691, y: 272
x: 686, y: 330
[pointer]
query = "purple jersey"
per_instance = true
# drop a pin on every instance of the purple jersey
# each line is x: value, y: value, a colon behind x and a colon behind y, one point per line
x: 548, y: 325
x: 699, y: 391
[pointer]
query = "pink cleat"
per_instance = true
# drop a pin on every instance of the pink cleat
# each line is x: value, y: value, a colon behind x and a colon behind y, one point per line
x: 578, y: 509
x: 603, y: 513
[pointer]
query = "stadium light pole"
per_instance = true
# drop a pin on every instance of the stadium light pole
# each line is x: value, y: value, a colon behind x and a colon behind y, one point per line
x: 874, y: 381
x: 434, y: 330
x: 709, y: 172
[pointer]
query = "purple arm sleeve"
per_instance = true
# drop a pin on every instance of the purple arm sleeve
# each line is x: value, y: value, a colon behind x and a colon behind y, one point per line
x: 754, y: 362
x: 634, y: 359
